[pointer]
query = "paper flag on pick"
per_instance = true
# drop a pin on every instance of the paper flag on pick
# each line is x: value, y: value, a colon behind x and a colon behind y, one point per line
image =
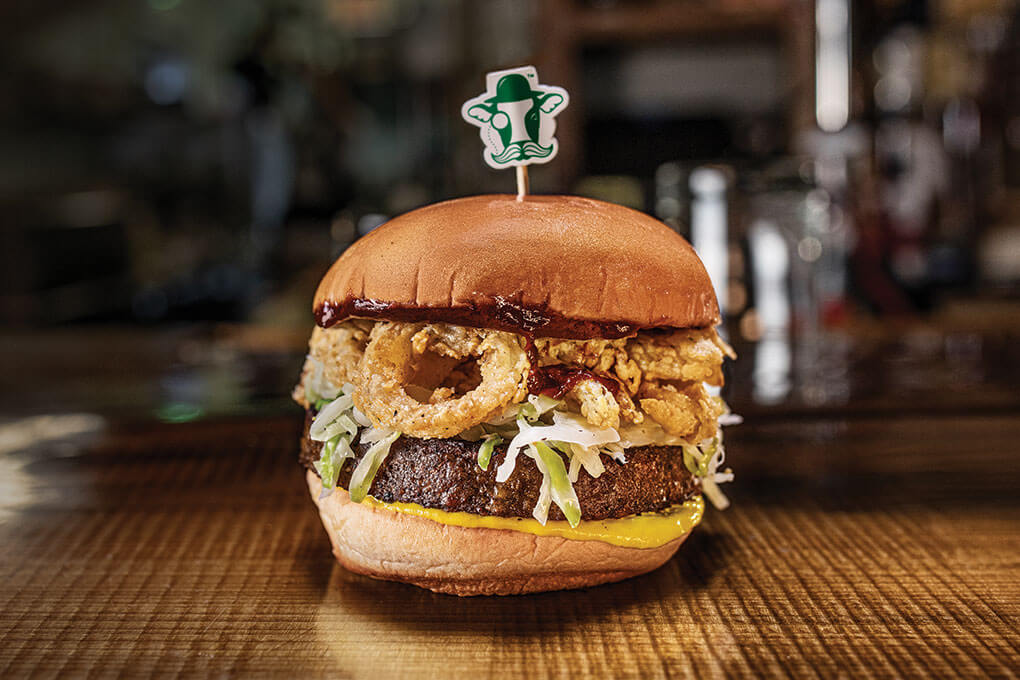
x: 516, y: 117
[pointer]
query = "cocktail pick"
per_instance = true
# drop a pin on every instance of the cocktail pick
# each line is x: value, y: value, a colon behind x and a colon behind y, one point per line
x: 516, y: 118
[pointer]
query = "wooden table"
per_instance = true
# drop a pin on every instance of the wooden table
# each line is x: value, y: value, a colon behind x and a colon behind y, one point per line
x: 856, y: 546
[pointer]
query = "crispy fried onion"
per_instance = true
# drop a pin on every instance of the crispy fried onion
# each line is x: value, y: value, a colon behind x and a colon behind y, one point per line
x: 693, y: 355
x: 688, y: 355
x: 665, y: 372
x: 389, y: 364
x: 600, y: 408
x: 333, y: 357
x: 689, y: 412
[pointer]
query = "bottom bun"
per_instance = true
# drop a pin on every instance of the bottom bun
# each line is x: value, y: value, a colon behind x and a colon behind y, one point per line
x: 395, y: 546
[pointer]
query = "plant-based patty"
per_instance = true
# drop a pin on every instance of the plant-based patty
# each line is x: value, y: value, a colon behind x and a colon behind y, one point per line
x: 444, y: 474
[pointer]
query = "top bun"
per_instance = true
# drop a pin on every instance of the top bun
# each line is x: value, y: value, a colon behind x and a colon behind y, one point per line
x: 550, y: 266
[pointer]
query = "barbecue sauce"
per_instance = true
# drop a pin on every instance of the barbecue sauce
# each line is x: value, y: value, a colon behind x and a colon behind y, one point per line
x: 501, y: 313
x: 557, y: 380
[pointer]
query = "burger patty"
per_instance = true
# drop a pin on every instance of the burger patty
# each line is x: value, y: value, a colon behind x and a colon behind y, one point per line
x: 444, y: 474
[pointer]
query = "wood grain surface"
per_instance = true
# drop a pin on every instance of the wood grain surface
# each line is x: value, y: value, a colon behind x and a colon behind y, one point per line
x: 863, y: 547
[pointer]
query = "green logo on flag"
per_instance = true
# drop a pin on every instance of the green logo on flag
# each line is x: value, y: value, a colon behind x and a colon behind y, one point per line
x: 516, y: 117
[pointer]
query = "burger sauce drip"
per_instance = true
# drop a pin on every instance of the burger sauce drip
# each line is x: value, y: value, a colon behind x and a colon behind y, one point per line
x: 556, y: 381
x: 500, y: 313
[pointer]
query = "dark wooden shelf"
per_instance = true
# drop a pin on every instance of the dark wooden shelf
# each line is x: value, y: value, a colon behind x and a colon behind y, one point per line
x: 565, y: 27
x: 673, y: 21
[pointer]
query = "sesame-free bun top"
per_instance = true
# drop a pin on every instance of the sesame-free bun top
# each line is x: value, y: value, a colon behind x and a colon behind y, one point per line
x: 552, y: 266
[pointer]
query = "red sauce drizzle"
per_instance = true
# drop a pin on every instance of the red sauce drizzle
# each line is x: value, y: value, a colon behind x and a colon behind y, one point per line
x: 501, y: 313
x: 555, y: 381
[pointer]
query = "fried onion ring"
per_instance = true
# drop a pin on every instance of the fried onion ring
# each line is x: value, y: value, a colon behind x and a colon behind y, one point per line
x: 388, y: 366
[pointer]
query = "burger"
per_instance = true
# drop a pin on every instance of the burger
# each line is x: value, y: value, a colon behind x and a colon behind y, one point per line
x: 509, y: 395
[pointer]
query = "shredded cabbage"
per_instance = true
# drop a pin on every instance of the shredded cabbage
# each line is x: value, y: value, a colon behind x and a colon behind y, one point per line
x: 343, y: 424
x: 364, y: 473
x: 730, y: 419
x: 360, y: 418
x: 615, y: 451
x: 713, y: 478
x: 485, y: 450
x: 587, y: 457
x: 334, y: 453
x: 538, y: 405
x: 703, y: 461
x: 554, y: 479
x: 649, y: 433
x: 532, y: 410
x: 583, y: 445
x: 337, y: 424
x: 328, y: 415
x: 317, y: 386
x: 541, y: 510
x: 566, y: 428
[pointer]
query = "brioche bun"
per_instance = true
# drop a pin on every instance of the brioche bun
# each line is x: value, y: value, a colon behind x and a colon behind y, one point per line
x: 554, y: 266
x: 394, y: 546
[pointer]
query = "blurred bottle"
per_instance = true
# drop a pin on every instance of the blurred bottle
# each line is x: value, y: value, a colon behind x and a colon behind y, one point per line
x: 799, y: 267
x: 669, y: 194
x: 924, y: 251
x: 770, y: 264
x: 709, y: 227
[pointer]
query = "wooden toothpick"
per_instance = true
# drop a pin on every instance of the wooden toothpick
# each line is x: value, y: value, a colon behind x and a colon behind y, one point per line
x: 522, y: 182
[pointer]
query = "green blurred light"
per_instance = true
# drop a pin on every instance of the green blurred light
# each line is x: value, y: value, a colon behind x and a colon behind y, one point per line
x: 179, y: 412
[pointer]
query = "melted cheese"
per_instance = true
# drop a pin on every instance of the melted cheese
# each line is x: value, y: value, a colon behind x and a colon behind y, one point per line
x: 646, y: 530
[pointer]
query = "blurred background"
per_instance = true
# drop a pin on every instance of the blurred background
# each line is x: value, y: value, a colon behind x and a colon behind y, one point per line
x: 176, y: 176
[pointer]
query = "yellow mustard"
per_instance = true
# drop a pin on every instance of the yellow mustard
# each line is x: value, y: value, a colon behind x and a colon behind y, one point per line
x: 645, y: 530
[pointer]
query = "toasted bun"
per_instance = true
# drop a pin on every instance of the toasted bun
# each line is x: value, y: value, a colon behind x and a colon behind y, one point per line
x: 461, y: 561
x: 552, y: 265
